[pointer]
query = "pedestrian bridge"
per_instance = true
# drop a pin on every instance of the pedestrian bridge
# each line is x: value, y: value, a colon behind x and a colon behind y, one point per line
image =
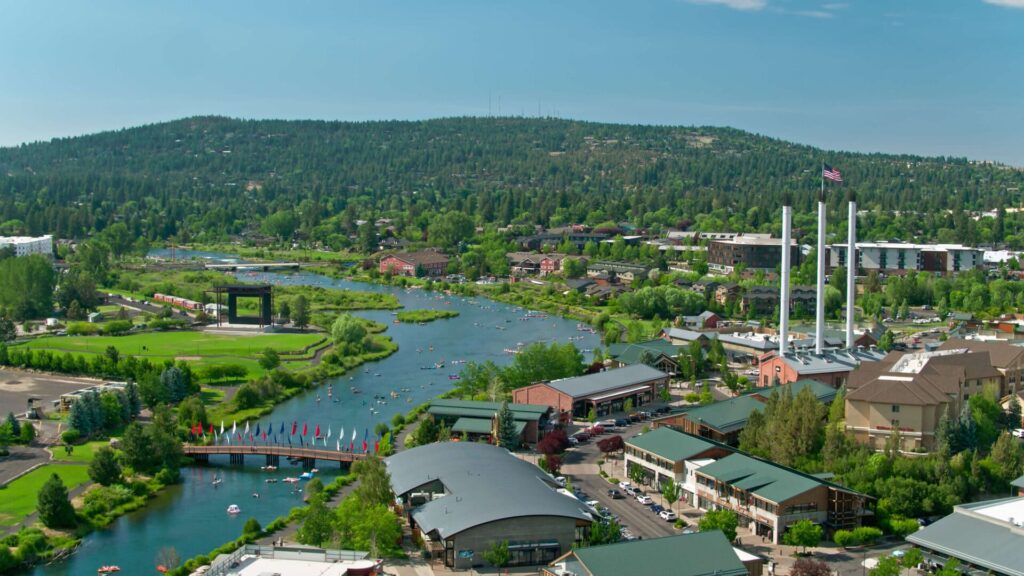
x: 272, y: 454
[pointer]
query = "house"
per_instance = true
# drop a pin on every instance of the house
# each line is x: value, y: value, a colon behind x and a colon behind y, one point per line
x: 986, y: 537
x: 524, y: 263
x: 463, y: 498
x: 767, y: 497
x: 657, y: 353
x: 831, y: 367
x: 428, y: 263
x: 705, y: 287
x: 478, y: 419
x: 727, y: 292
x: 604, y: 392
x: 705, y: 320
x: 723, y: 421
x: 1018, y: 485
x: 909, y: 393
x: 697, y: 554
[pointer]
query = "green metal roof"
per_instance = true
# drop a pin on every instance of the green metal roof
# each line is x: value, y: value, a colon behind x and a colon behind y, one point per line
x: 732, y: 414
x: 1018, y: 483
x: 769, y: 481
x: 472, y: 426
x: 698, y: 554
x: 670, y: 444
x: 988, y: 542
x: 474, y: 409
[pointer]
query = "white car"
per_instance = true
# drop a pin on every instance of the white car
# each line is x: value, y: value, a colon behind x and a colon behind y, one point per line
x: 644, y: 499
x: 560, y: 480
x: 624, y: 484
x: 667, y: 515
x: 1018, y: 432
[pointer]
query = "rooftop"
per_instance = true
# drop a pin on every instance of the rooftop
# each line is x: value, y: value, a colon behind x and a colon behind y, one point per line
x: 759, y: 477
x: 732, y: 414
x: 697, y: 554
x: 478, y: 409
x: 589, y: 384
x: 981, y: 534
x: 670, y: 444
x: 482, y: 483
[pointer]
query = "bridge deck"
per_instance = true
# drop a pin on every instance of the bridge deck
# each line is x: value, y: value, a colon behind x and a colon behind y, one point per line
x: 253, y: 266
x: 284, y: 451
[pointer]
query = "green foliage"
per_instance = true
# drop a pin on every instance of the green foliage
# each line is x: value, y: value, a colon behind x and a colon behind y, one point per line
x: 425, y: 315
x: 104, y: 468
x: 724, y: 520
x: 54, y: 508
x: 507, y: 436
x: 251, y: 527
x: 269, y: 359
x: 26, y: 287
x: 348, y: 331
x: 300, y: 312
x: 317, y: 526
x: 498, y: 554
x: 887, y: 566
x: 788, y: 429
x: 671, y: 491
x: 605, y: 532
x: 844, y: 538
x: 804, y: 533
x: 866, y: 535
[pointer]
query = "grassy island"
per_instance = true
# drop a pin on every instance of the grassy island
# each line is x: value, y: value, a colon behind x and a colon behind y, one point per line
x: 425, y: 315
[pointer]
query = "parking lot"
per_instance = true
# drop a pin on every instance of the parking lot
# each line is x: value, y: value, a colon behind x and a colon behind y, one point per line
x: 17, y: 386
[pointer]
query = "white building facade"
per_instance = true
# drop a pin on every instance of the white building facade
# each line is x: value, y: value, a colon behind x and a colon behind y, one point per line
x: 899, y: 257
x: 27, y: 246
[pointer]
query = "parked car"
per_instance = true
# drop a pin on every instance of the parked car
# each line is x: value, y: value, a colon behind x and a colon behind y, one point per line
x: 663, y: 410
x: 634, y: 417
x: 560, y: 480
x: 615, y: 494
x: 1018, y: 432
x: 668, y: 515
x: 625, y: 484
x: 609, y: 422
x: 622, y: 422
x: 573, y: 441
x: 581, y: 436
x: 644, y: 499
x: 593, y: 504
x: 657, y: 508
x: 631, y: 491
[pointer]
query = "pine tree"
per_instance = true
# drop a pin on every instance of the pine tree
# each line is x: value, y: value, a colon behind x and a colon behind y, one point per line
x: 1013, y: 415
x: 79, y: 417
x: 104, y: 468
x: 15, y: 425
x: 967, y: 431
x: 173, y: 382
x: 946, y: 437
x: 507, y: 436
x: 131, y: 392
x: 53, y: 505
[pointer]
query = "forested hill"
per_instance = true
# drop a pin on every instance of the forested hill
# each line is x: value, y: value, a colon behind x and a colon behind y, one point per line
x: 210, y: 176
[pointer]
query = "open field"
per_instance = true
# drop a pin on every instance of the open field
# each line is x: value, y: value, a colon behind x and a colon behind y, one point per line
x: 18, y: 499
x: 199, y: 348
x: 82, y: 453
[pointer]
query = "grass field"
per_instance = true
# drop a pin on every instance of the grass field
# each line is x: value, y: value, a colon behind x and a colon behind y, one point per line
x: 199, y: 348
x: 175, y: 344
x: 18, y: 499
x: 83, y: 453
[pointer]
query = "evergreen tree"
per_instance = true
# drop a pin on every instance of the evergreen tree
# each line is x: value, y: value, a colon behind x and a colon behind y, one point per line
x: 173, y: 381
x: 15, y: 425
x: 1013, y: 414
x: 507, y: 436
x: 52, y: 503
x: 967, y: 431
x: 134, y: 401
x: 104, y: 468
x: 300, y: 312
x: 946, y: 435
x: 78, y: 419
x: 317, y: 527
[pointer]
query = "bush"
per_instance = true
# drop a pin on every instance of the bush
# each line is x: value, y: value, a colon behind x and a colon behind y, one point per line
x: 680, y: 523
x: 252, y: 526
x: 867, y: 534
x: 70, y: 436
x: 83, y: 329
x: 844, y: 538
x: 168, y: 476
x: 903, y: 527
x: 117, y: 327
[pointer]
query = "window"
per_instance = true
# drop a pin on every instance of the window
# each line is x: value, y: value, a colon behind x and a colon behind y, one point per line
x: 895, y: 408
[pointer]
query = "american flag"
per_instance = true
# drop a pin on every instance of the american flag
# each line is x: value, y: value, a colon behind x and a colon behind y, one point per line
x: 831, y: 173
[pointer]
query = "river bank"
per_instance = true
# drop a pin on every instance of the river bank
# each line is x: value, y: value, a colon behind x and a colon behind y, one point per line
x: 190, y: 516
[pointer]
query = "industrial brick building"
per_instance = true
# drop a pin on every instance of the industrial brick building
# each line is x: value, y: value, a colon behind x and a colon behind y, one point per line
x: 605, y: 392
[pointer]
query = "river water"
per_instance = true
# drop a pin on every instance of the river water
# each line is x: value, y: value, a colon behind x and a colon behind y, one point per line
x: 192, y: 517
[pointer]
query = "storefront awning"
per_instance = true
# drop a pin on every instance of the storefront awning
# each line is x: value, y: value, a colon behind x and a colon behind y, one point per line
x: 619, y: 393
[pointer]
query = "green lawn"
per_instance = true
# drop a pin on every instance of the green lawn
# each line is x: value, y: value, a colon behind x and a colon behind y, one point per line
x: 175, y: 344
x: 83, y: 453
x: 18, y: 499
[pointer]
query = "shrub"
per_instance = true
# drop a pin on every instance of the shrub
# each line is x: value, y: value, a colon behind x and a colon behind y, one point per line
x: 680, y: 523
x: 844, y: 538
x: 117, y: 327
x: 70, y: 436
x: 252, y: 526
x: 867, y: 534
x: 82, y: 329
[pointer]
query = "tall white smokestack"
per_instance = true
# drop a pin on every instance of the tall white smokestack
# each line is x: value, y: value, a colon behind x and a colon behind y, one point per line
x: 787, y: 226
x: 819, y: 333
x: 851, y: 267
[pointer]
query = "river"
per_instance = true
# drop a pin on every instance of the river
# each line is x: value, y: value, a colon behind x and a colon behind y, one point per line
x: 191, y: 517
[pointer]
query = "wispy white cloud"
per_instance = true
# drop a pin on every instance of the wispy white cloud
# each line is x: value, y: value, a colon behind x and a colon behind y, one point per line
x: 835, y: 6
x: 822, y: 14
x: 1006, y: 3
x: 744, y: 5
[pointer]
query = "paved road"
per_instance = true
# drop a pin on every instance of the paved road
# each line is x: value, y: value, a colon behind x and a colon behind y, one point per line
x: 581, y: 467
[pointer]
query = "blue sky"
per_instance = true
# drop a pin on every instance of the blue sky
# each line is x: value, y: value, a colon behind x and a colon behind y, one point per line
x: 918, y: 76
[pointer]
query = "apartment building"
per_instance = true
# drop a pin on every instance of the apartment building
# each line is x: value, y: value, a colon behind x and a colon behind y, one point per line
x: 754, y: 253
x: 900, y: 257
